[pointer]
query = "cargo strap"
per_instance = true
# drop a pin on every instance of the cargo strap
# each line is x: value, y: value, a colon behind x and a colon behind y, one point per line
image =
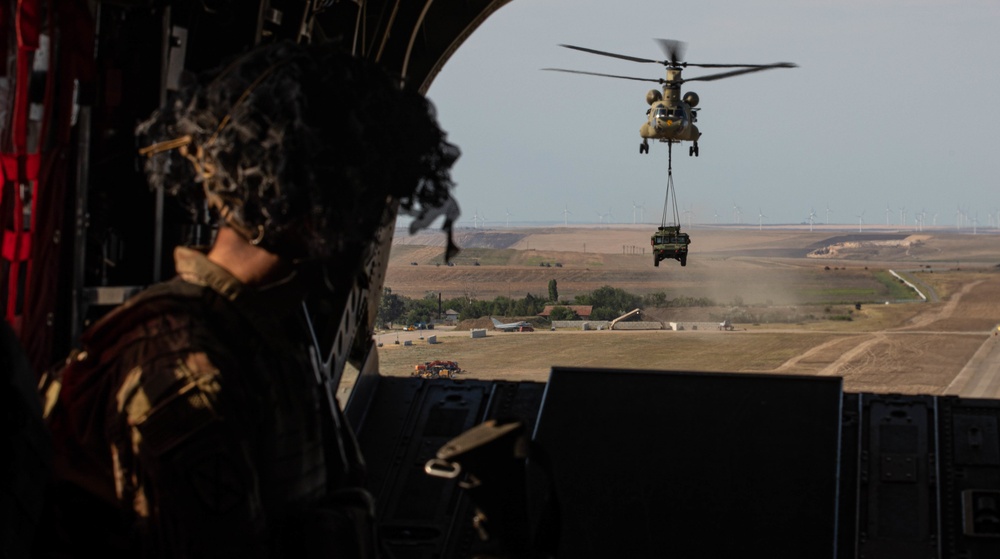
x: 20, y: 168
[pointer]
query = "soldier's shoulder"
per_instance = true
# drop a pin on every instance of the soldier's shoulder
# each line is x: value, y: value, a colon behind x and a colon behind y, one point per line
x: 174, y: 299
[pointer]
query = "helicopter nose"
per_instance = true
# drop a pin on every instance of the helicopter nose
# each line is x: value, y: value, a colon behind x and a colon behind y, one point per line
x: 667, y: 123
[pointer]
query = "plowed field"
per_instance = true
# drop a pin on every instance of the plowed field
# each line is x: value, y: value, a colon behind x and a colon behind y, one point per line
x: 910, y: 347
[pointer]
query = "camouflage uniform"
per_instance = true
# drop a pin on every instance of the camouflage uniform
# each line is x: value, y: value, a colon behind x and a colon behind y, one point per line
x: 195, y: 408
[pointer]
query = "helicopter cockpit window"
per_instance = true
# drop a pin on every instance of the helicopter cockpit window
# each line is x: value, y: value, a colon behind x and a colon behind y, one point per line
x: 664, y: 112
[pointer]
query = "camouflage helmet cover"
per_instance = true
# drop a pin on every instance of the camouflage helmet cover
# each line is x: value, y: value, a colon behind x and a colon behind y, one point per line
x: 301, y: 148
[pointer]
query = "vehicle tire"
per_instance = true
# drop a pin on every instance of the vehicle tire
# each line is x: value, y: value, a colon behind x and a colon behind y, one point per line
x: 656, y: 262
x: 684, y: 260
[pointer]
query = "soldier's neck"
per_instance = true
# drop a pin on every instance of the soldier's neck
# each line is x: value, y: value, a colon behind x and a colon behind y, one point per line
x: 250, y: 264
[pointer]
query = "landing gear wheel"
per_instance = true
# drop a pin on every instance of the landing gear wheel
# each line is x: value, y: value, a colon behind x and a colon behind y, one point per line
x: 691, y: 151
x: 643, y: 148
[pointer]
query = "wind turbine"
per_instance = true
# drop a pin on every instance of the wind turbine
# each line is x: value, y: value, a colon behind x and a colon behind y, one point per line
x: 475, y: 219
x: 812, y: 218
x: 760, y: 219
x: 737, y: 214
x: 634, y: 208
x: 828, y: 214
x: 688, y: 212
x: 902, y: 216
x: 861, y: 220
x: 566, y: 213
x: 887, y: 212
x: 508, y: 218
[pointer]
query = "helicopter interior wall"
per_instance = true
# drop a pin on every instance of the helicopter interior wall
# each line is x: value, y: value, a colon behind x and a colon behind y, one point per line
x: 693, y: 455
x: 680, y: 464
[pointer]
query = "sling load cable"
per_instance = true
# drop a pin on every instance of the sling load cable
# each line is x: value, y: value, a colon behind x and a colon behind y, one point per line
x: 670, y: 188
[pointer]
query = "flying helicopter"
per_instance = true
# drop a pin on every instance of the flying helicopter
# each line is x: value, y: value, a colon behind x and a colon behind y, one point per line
x: 672, y: 117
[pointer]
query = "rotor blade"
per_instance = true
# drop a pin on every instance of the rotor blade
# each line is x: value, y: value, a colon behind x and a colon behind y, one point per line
x: 777, y: 65
x: 673, y: 49
x: 613, y: 55
x: 713, y: 77
x: 604, y: 75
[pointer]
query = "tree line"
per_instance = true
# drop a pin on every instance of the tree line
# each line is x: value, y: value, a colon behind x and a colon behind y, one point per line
x: 607, y: 303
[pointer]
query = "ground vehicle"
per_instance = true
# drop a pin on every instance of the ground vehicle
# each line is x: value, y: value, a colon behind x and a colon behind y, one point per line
x: 437, y: 369
x: 670, y: 242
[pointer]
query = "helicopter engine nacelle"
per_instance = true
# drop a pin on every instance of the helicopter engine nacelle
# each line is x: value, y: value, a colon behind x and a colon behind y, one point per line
x: 653, y: 96
x: 691, y: 98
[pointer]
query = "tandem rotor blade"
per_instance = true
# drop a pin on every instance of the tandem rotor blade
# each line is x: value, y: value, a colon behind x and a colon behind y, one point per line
x: 654, y: 80
x: 613, y: 55
x: 673, y: 49
x: 675, y: 55
x: 713, y: 77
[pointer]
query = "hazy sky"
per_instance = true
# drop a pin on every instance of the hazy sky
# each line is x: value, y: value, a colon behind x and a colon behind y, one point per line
x: 894, y: 103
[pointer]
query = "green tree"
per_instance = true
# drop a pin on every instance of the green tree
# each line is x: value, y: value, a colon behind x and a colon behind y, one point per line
x: 390, y: 308
x: 421, y: 310
x: 474, y: 309
x: 609, y: 302
x: 553, y: 290
x: 529, y: 306
x: 657, y: 299
x: 562, y: 313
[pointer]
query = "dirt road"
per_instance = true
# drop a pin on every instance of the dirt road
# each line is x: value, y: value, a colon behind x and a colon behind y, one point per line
x: 944, y: 346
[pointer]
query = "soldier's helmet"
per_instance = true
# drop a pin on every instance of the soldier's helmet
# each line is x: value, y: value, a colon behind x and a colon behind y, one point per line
x: 303, y: 149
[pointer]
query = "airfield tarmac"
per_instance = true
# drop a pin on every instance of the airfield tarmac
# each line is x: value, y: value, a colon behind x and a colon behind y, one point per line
x: 946, y: 345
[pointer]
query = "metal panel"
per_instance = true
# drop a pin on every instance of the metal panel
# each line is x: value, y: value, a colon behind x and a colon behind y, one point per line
x: 654, y: 464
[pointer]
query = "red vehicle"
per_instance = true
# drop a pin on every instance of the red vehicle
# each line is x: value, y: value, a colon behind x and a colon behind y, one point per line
x: 437, y: 369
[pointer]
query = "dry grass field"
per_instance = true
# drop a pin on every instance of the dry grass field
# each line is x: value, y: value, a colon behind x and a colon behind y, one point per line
x: 944, y: 345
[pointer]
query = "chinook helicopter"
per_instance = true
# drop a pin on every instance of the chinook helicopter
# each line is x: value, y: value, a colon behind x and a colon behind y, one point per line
x: 671, y: 117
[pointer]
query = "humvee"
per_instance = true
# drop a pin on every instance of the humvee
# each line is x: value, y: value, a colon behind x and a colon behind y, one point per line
x: 669, y: 242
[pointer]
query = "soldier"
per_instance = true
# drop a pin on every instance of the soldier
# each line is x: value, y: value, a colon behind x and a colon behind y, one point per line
x: 192, y: 420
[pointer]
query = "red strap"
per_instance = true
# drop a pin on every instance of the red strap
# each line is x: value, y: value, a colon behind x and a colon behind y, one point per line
x: 28, y: 22
x: 11, y: 168
x: 21, y: 167
x: 16, y: 245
